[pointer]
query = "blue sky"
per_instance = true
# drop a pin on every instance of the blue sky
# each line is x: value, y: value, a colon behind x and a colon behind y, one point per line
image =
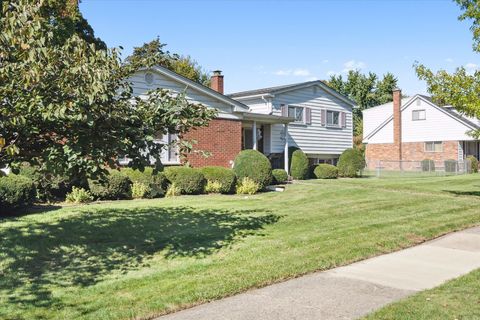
x: 264, y: 43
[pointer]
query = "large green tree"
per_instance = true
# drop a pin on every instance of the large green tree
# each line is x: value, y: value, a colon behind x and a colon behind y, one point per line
x: 154, y: 53
x: 66, y: 103
x: 366, y: 90
x: 460, y: 88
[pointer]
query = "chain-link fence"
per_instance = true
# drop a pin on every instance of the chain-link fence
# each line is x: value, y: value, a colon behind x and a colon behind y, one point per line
x: 406, y: 168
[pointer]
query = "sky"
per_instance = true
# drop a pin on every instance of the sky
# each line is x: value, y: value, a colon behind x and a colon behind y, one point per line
x: 266, y: 43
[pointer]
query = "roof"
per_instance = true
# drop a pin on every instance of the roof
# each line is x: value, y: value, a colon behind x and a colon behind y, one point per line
x: 407, y: 101
x: 290, y: 87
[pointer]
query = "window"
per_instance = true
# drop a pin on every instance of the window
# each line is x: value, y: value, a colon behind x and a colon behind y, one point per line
x: 297, y: 113
x: 333, y: 118
x: 418, y: 115
x: 434, y: 146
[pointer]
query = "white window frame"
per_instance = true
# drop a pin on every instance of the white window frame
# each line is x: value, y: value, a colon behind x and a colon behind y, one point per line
x: 419, y: 112
x: 433, y: 144
x: 333, y: 125
x: 303, y: 121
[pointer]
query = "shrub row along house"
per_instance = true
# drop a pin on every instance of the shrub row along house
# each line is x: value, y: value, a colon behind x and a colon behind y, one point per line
x: 414, y: 129
x: 310, y: 116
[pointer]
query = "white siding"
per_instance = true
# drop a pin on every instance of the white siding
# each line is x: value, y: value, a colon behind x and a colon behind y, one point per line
x: 384, y: 135
x: 313, y: 139
x: 160, y: 81
x: 257, y: 105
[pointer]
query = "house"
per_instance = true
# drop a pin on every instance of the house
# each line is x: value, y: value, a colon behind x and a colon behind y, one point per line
x: 414, y: 129
x: 310, y: 116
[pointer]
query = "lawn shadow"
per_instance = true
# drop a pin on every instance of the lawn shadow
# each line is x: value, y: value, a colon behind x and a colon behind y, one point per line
x: 463, y: 193
x: 83, y: 249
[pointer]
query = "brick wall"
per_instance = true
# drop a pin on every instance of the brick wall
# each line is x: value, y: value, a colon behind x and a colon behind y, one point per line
x: 222, y: 138
x: 411, y: 151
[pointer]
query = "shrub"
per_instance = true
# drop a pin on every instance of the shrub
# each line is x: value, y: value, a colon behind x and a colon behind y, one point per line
x: 450, y: 165
x: 279, y: 176
x: 16, y: 192
x: 326, y: 171
x: 140, y: 190
x: 219, y: 179
x: 254, y: 165
x: 428, y: 165
x: 48, y: 186
x: 300, y: 166
x: 473, y: 163
x: 115, y: 186
x: 79, y: 195
x: 173, y: 191
x: 188, y: 180
x: 248, y: 186
x: 351, y: 163
x: 156, y: 184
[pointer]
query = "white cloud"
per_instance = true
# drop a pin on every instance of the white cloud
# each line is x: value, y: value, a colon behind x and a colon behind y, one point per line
x: 471, y: 67
x: 449, y: 60
x: 293, y: 72
x: 354, y: 65
x: 325, y: 61
x: 301, y: 72
x: 311, y: 79
x: 282, y: 72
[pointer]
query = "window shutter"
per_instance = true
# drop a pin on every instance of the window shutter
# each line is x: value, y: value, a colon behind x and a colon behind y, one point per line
x: 284, y: 110
x: 323, y: 119
x: 308, y: 116
x: 343, y: 117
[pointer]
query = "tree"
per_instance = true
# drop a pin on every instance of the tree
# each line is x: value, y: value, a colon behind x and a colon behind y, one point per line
x: 365, y: 90
x: 460, y: 88
x: 154, y: 53
x: 68, y: 106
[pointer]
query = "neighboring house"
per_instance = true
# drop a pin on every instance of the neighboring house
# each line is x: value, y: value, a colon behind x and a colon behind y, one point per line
x: 414, y: 129
x: 323, y: 120
x: 309, y: 115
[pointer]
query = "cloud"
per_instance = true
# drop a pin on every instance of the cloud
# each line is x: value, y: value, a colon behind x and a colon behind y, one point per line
x: 293, y: 72
x: 311, y: 79
x: 449, y: 60
x: 331, y: 73
x: 354, y: 65
x: 471, y: 67
x: 325, y: 61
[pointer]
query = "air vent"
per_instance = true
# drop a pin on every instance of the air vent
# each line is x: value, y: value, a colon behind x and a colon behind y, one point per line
x: 149, y: 78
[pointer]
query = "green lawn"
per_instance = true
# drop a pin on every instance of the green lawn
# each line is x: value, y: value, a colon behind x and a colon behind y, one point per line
x: 130, y: 259
x: 457, y: 299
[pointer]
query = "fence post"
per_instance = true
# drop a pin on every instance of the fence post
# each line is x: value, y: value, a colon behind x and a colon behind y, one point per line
x: 379, y: 162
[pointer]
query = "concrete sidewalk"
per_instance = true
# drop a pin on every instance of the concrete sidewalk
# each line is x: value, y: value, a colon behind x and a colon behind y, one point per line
x: 352, y: 291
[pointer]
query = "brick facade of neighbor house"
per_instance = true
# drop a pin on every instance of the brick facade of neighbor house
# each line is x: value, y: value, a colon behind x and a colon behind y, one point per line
x: 222, y: 139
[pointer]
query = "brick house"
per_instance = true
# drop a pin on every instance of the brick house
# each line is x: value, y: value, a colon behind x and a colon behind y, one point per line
x: 270, y: 130
x: 414, y: 129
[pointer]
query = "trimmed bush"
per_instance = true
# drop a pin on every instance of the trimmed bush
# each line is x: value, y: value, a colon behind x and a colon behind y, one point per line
x: 254, y: 165
x: 173, y: 191
x: 16, y: 192
x: 156, y: 184
x: 351, y: 163
x: 79, y: 195
x: 300, y: 165
x: 326, y: 171
x: 48, y: 187
x: 473, y: 164
x: 188, y: 180
x: 115, y: 186
x: 248, y: 186
x: 450, y: 165
x: 140, y: 190
x: 428, y: 165
x: 279, y: 176
x: 219, y: 179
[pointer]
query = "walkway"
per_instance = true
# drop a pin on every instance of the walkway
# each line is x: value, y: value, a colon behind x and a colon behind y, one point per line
x: 352, y: 291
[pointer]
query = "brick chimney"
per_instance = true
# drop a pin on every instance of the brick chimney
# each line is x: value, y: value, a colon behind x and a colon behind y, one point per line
x: 216, y: 81
x: 397, y: 122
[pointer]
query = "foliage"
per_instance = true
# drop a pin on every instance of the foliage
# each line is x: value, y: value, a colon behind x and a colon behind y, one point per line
x: 67, y: 105
x: 173, y: 191
x: 351, y: 163
x: 115, y: 186
x: 79, y: 195
x: 188, y: 180
x: 248, y: 186
x: 16, y: 192
x: 140, y: 190
x: 155, y: 183
x: 450, y: 165
x: 254, y: 165
x: 222, y: 178
x: 299, y: 166
x: 473, y: 164
x: 471, y: 11
x: 153, y: 53
x: 279, y: 176
x: 428, y: 165
x: 326, y: 171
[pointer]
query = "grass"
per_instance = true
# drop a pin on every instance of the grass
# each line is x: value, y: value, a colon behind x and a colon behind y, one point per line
x: 142, y: 258
x: 456, y: 299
